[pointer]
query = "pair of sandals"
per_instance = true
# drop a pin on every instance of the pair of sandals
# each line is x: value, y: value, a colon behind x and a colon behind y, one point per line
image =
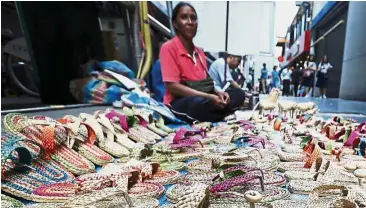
x: 23, y: 169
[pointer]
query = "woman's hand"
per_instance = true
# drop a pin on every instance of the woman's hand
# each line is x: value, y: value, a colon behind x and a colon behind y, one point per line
x: 217, y: 101
x: 224, y: 96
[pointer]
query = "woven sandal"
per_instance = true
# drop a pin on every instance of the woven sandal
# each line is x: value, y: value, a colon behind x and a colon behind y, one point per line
x: 8, y: 202
x: 107, y: 142
x: 146, y: 190
x: 84, y: 141
x: 199, y: 177
x: 43, y: 130
x: 256, y: 141
x: 236, y: 181
x: 54, y: 192
x: 90, y: 198
x: 51, y: 136
x: 41, y: 172
x: 120, y: 201
x: 324, y: 195
x: 159, y: 122
x: 13, y: 155
x: 119, y: 121
x: 123, y: 137
x: 187, y: 192
x: 150, y: 121
x: 140, y: 125
x: 165, y: 177
x: 105, y: 134
x: 183, y: 138
x: 236, y: 195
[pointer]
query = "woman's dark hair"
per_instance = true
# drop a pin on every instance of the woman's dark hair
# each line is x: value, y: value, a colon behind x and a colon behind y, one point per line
x: 177, y: 9
x: 325, y: 57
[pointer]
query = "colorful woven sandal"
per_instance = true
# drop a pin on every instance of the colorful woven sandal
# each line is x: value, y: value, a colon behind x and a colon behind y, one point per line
x: 83, y: 141
x: 141, y: 122
x: 8, y: 202
x: 108, y: 142
x: 51, y: 136
x: 121, y: 127
x: 40, y: 173
x: 105, y: 134
x: 130, y: 126
x: 14, y: 156
x: 54, y: 192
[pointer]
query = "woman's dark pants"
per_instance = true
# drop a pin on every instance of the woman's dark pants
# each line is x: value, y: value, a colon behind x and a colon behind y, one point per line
x: 196, y: 108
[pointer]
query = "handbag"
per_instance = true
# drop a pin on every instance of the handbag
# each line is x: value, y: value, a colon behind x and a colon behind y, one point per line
x: 205, y: 85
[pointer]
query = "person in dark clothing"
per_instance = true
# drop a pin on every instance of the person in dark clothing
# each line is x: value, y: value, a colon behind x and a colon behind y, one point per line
x: 309, y: 74
x: 322, y: 82
x: 295, y: 77
x: 286, y: 81
x: 264, y: 77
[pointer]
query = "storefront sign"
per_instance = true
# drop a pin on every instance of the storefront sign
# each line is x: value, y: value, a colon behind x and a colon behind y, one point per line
x: 301, y: 45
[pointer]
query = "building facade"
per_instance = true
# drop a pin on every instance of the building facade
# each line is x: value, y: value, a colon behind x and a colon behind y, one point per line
x: 337, y: 30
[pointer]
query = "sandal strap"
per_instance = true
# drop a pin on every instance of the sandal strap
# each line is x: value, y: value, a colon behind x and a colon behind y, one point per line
x: 93, y: 124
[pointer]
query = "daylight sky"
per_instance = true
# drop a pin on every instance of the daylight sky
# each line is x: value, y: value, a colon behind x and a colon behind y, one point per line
x: 285, y: 12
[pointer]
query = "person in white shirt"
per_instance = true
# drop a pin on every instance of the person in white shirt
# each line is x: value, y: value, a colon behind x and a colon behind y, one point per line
x: 286, y: 81
x: 322, y: 82
x: 308, y: 74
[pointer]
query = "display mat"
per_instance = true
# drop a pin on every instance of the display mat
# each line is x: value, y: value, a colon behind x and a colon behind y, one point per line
x: 58, y: 113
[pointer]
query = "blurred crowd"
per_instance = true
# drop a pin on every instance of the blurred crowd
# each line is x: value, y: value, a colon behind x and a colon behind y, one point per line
x: 297, y: 80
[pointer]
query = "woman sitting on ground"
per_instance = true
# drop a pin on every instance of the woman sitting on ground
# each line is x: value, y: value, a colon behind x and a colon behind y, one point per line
x: 184, y: 66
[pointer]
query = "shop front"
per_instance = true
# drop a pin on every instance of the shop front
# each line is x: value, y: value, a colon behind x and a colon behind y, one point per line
x: 298, y: 51
x: 328, y: 32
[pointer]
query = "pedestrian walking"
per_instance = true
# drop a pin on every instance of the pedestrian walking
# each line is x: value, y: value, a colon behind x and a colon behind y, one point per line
x: 286, y: 81
x: 275, y: 78
x: 296, y: 78
x: 322, y: 76
x: 308, y: 74
x: 264, y: 76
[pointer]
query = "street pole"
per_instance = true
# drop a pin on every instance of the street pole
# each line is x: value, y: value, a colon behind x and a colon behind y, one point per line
x: 226, y: 37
